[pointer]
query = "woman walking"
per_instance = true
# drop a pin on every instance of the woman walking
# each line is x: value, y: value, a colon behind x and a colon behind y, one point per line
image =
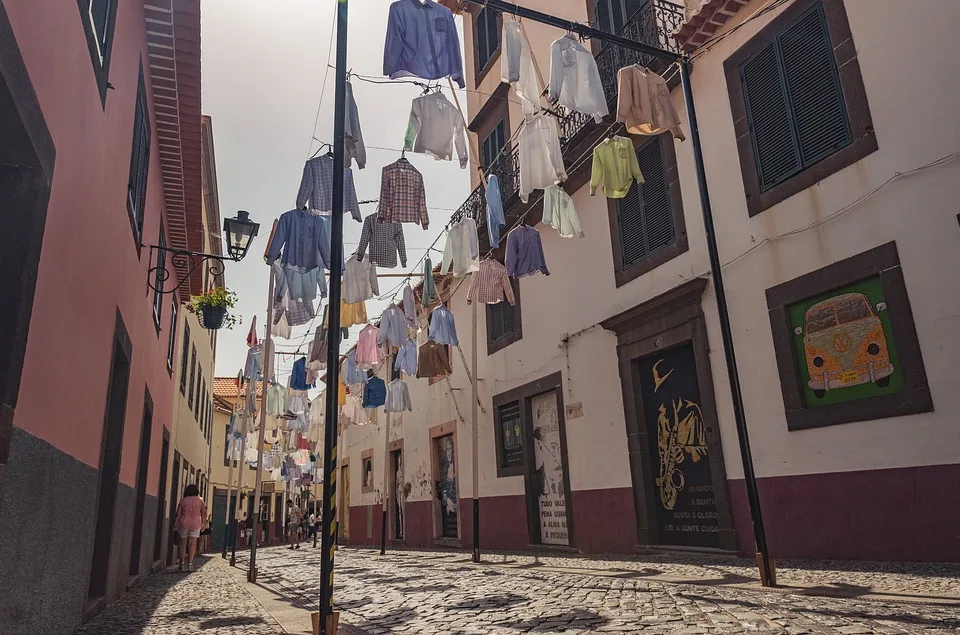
x: 191, y: 518
x: 294, y: 515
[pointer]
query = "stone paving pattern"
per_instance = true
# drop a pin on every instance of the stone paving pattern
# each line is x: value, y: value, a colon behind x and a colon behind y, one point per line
x: 434, y: 592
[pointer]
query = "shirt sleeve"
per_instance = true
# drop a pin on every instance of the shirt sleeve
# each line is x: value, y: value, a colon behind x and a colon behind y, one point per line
x: 453, y: 44
x: 512, y: 252
x: 507, y: 287
x: 401, y: 245
x: 556, y: 71
x: 460, y: 140
x: 635, y: 165
x: 279, y: 238
x: 597, y: 177
x: 624, y: 95
x: 324, y: 246
x: 373, y: 279
x: 422, y: 202
x: 474, y: 288
x: 393, y: 47
x: 306, y: 186
x: 365, y: 234
x: 413, y: 126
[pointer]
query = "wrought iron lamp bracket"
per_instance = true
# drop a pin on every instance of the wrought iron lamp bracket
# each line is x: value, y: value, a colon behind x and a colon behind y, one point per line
x: 180, y: 258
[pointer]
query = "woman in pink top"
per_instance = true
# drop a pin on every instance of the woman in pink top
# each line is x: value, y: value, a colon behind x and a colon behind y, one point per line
x: 191, y: 518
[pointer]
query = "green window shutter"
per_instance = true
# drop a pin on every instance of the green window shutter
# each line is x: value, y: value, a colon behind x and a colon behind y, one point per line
x: 502, y: 318
x: 139, y: 157
x: 488, y: 36
x: 645, y: 217
x: 794, y: 100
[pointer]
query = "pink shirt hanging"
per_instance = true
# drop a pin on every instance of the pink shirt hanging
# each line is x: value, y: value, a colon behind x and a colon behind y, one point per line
x: 368, y: 350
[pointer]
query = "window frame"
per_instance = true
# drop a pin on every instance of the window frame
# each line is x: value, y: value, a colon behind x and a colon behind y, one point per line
x: 366, y: 458
x: 185, y: 359
x: 158, y: 280
x: 139, y: 163
x: 99, y: 56
x: 172, y: 336
x: 680, y: 245
x: 193, y: 377
x: 494, y: 346
x: 494, y: 55
x: 851, y: 86
x: 504, y: 470
x: 501, y: 126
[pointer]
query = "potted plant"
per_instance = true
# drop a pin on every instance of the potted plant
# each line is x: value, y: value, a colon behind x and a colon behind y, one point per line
x: 213, y: 308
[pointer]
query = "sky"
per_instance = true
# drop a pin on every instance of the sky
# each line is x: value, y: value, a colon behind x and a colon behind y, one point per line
x: 263, y: 67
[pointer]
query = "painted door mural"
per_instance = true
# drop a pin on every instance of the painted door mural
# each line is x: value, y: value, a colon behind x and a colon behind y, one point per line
x: 345, y: 506
x: 397, y: 493
x: 684, y: 497
x: 446, y: 484
x: 548, y: 478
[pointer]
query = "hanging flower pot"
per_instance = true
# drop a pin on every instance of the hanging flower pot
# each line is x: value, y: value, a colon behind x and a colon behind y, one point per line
x: 213, y: 308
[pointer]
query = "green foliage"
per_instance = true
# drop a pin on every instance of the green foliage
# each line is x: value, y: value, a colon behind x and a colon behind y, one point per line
x: 220, y: 298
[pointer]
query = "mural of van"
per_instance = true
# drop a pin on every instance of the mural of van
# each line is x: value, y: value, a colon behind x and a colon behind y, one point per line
x: 844, y: 344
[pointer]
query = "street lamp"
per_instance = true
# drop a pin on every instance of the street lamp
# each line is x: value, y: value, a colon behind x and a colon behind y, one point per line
x: 239, y: 231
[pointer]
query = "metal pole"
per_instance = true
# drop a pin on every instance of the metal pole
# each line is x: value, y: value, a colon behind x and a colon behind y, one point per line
x: 240, y: 461
x: 386, y: 486
x: 476, y: 440
x: 766, y: 570
x: 267, y: 357
x: 333, y: 336
x: 227, y: 516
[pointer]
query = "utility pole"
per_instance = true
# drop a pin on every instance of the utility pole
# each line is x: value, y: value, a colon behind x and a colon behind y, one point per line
x: 227, y: 516
x: 240, y: 463
x: 474, y: 418
x: 386, y: 485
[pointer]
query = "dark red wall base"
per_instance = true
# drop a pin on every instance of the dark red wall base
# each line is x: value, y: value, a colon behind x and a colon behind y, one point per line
x: 604, y: 521
x: 905, y: 514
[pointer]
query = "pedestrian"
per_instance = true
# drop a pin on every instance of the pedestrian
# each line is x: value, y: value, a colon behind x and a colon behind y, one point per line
x: 294, y: 515
x: 248, y: 528
x: 316, y: 526
x: 205, y: 537
x: 191, y: 518
x: 312, y: 526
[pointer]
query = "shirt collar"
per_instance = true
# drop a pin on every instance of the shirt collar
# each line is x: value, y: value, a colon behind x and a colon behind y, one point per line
x: 427, y: 5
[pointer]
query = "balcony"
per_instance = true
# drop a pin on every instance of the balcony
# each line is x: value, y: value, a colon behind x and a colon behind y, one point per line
x: 652, y: 24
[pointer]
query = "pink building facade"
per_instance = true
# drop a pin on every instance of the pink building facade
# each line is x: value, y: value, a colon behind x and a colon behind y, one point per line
x: 101, y: 105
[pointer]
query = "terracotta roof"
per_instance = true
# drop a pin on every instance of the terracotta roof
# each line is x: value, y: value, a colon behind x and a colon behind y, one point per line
x: 226, y: 387
x: 704, y: 22
x: 222, y: 404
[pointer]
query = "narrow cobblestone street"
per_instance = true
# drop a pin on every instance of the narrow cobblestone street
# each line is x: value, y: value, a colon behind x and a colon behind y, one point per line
x: 435, y: 592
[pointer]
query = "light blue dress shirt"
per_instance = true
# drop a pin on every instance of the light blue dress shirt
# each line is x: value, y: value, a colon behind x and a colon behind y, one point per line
x: 393, y: 326
x: 352, y: 375
x: 303, y: 239
x: 407, y: 358
x: 422, y: 41
x: 443, y: 329
x: 495, y: 220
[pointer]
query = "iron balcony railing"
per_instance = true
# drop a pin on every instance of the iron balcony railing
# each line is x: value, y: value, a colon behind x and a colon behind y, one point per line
x: 651, y: 24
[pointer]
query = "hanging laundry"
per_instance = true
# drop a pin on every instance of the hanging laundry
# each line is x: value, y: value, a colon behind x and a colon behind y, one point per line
x: 644, y: 103
x: 524, y: 255
x: 403, y: 198
x: 303, y: 240
x: 462, y: 251
x: 443, y: 329
x: 316, y: 188
x: 541, y: 158
x: 341, y: 394
x: 359, y: 281
x: 374, y: 393
x: 353, y: 147
x: 352, y: 313
x: 298, y: 378
x: 559, y: 213
x: 299, y: 284
x: 351, y: 375
x: 409, y: 307
x: 251, y: 367
x: 433, y: 361
x: 393, y: 327
x: 491, y: 283
x: 398, y: 397
x: 281, y: 328
x: 385, y: 240
x: 368, y: 347
x: 495, y: 220
x: 517, y: 67
x: 575, y: 79
x: 615, y: 167
x: 318, y: 350
x: 294, y: 312
x: 422, y: 42
x: 275, y: 399
x: 429, y: 290
x: 435, y: 127
x: 252, y: 333
x: 407, y: 358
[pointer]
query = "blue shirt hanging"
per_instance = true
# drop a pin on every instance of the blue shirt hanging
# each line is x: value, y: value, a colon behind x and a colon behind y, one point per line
x: 422, y: 42
x: 298, y: 377
x: 495, y: 220
x: 374, y: 393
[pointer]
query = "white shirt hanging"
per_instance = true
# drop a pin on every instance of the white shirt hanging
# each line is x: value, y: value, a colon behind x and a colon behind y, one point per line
x: 462, y: 251
x: 517, y: 67
x: 359, y: 281
x: 559, y: 212
x: 541, y: 158
x: 575, y: 79
x: 435, y: 127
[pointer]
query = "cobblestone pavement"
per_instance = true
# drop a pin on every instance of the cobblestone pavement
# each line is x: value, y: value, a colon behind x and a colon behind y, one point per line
x: 434, y: 592
x: 206, y: 600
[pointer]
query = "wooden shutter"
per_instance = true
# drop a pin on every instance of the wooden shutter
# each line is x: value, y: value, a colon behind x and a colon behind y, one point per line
x: 645, y: 217
x: 502, y: 319
x: 139, y: 158
x: 488, y: 36
x: 100, y: 19
x: 794, y: 101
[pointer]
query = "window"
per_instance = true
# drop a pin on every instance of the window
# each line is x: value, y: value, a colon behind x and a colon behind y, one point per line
x: 196, y: 389
x: 99, y: 20
x: 486, y: 35
x: 139, y: 162
x: 172, y: 337
x: 509, y: 431
x: 158, y: 281
x: 647, y: 226
x: 184, y: 359
x: 226, y: 446
x: 493, y: 143
x: 613, y: 15
x: 193, y: 376
x: 503, y: 322
x: 798, y: 102
x: 366, y: 462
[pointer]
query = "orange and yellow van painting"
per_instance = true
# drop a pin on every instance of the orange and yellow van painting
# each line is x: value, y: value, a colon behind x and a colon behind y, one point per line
x: 844, y: 344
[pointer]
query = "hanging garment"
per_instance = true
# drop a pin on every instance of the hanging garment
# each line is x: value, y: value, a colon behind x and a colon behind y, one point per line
x: 462, y: 251
x: 403, y: 198
x: 351, y: 375
x: 409, y: 307
x: 644, y: 103
x: 304, y: 286
x: 374, y: 393
x: 575, y: 79
x: 251, y: 367
x: 491, y: 283
x: 359, y: 281
x: 524, y: 255
x: 435, y: 127
x: 281, y: 328
x: 303, y: 240
x: 298, y: 379
x: 294, y: 312
x: 393, y: 327
x: 433, y: 361
x: 318, y: 347
x: 275, y: 400
x: 385, y: 240
x: 422, y: 42
x: 443, y: 328
x: 398, y: 397
x: 615, y: 167
x: 368, y: 347
x: 517, y: 67
x: 495, y: 220
x: 353, y: 147
x: 559, y: 213
x: 429, y: 291
x: 316, y: 188
x: 407, y: 358
x: 341, y: 394
x: 541, y: 158
x: 352, y: 313
x: 252, y: 333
